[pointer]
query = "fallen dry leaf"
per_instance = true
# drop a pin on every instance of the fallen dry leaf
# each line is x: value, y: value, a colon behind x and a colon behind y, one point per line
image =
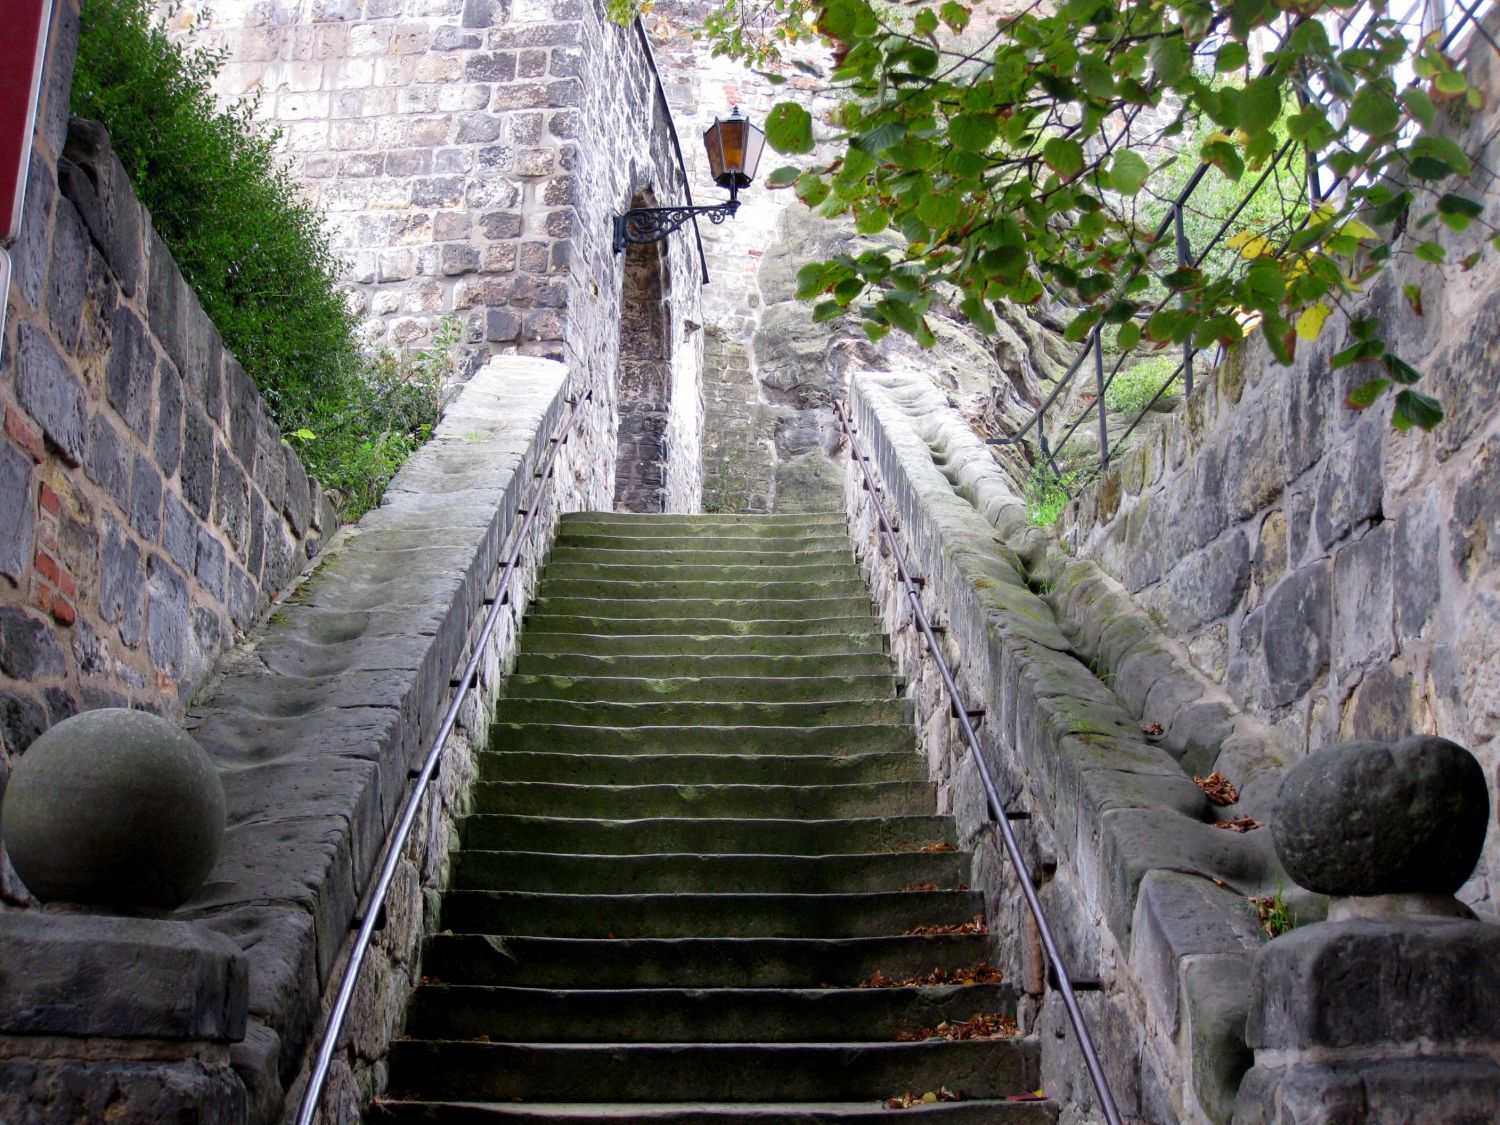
x: 1238, y: 824
x: 1217, y: 789
x: 940, y: 846
x: 982, y: 973
x: 991, y: 1025
x: 1034, y: 1096
x: 976, y: 926
x: 1151, y: 730
x: 919, y: 887
x: 908, y: 1100
x: 430, y: 980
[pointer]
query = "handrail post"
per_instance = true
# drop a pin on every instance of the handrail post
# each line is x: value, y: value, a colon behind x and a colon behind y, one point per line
x: 1184, y: 258
x: 1098, y: 346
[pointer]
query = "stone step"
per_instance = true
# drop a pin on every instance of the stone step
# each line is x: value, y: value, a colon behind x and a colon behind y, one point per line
x: 691, y: 553
x: 717, y: 689
x: 683, y: 1015
x: 701, y: 769
x: 834, y: 739
x: 715, y: 597
x: 782, y: 802
x: 616, y: 523
x: 733, y: 916
x: 672, y: 636
x: 652, y: 567
x: 633, y: 1072
x: 971, y: 1112
x: 686, y: 613
x: 672, y: 873
x: 665, y: 667
x: 705, y: 714
x: 639, y: 543
x: 706, y: 835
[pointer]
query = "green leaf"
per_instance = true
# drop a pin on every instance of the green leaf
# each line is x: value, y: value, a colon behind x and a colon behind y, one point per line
x: 1400, y: 370
x: 1444, y: 151
x: 304, y: 434
x: 1457, y: 212
x: 870, y: 220
x: 1413, y: 294
x: 954, y: 15
x: 1365, y: 394
x: 1419, y: 105
x: 1431, y: 252
x: 789, y: 128
x: 1063, y: 156
x: 1260, y: 105
x: 939, y: 211
x: 1128, y: 172
x: 972, y: 132
x: 978, y: 311
x: 1128, y: 336
x: 880, y: 138
x: 826, y: 310
x: 1413, y: 408
x: 1231, y: 56
x: 1374, y: 112
x: 784, y: 176
x: 811, y: 189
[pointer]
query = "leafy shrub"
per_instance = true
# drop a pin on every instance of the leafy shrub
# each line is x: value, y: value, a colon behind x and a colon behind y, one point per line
x: 1133, y: 388
x: 1047, y: 494
x: 253, y: 252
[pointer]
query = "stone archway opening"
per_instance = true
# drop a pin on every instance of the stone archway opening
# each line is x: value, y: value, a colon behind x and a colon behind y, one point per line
x: 643, y: 384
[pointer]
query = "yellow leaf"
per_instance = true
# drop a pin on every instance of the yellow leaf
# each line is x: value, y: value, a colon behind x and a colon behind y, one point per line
x: 929, y: 1097
x: 1240, y: 239
x: 1258, y: 246
x: 1359, y: 231
x: 1310, y: 323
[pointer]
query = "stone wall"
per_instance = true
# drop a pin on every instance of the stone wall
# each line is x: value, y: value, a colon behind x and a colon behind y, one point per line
x: 152, y: 509
x: 471, y: 156
x: 1338, y: 578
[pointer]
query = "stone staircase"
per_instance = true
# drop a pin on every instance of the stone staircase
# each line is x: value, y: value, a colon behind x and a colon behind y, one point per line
x: 700, y: 825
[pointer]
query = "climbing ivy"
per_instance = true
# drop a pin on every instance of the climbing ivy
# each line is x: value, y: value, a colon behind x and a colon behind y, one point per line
x: 1022, y: 160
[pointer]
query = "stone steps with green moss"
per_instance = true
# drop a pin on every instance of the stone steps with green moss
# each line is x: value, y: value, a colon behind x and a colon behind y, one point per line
x: 660, y: 570
x: 836, y: 739
x: 705, y: 689
x: 703, y: 664
x: 782, y: 802
x: 703, y: 713
x: 707, y: 835
x: 773, y: 635
x: 702, y: 769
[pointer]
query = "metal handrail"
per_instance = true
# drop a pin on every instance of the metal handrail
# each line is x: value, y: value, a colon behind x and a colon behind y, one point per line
x: 661, y: 93
x: 318, y: 1079
x: 992, y: 796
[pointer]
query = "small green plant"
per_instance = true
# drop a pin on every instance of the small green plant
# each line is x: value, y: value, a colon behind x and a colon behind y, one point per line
x: 1134, y: 387
x: 1276, y: 917
x: 1047, y: 494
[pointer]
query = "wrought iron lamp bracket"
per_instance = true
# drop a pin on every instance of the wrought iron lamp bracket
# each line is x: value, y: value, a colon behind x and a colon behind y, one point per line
x: 642, y: 225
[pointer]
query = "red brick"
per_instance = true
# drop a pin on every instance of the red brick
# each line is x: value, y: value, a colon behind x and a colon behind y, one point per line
x: 66, y: 584
x: 46, y: 566
x: 27, y: 436
x: 41, y: 594
x: 62, y: 609
x: 50, y: 500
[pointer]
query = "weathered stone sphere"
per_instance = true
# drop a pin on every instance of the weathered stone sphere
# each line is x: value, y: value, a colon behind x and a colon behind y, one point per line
x: 1374, y: 818
x: 114, y: 808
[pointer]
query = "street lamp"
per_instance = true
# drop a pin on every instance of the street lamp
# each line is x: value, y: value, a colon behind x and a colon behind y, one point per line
x: 734, y: 146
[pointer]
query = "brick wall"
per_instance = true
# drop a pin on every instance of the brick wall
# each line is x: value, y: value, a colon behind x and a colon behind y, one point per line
x: 151, y: 508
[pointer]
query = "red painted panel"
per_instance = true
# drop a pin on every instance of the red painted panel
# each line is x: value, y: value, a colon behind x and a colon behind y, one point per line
x: 23, y: 40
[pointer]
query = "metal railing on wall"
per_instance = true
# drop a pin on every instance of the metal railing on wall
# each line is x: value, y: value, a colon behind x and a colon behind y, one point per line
x: 1351, y: 28
x: 372, y: 911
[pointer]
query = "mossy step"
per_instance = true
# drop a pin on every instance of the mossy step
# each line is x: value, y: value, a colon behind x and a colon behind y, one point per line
x: 631, y: 1072
x: 854, y: 835
x: 704, y: 523
x: 701, y: 769
x: 970, y: 1112
x: 853, y: 738
x: 707, y: 689
x: 686, y: 612
x: 876, y: 798
x: 609, y: 552
x: 638, y: 542
x: 735, y: 916
x: 693, y: 713
x: 653, y: 567
x: 635, y: 593
x: 698, y: 874
x: 741, y: 664
x: 683, y: 1015
x: 839, y: 632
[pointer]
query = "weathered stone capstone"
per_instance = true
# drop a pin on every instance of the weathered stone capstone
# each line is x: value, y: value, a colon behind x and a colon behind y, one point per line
x: 114, y: 808
x: 1372, y: 818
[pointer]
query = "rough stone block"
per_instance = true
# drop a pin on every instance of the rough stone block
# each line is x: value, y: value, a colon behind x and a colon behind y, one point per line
x: 28, y: 647
x: 17, y: 511
x: 1351, y: 486
x: 167, y: 444
x: 1362, y: 603
x: 1215, y: 993
x: 67, y: 274
x: 145, y: 498
x: 119, y: 978
x: 51, y: 392
x: 121, y: 583
x: 197, y: 471
x: 1295, y: 635
x: 189, y: 1092
x: 1434, y: 1091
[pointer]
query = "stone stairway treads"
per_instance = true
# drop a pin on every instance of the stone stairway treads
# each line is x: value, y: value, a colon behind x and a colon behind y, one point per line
x: 703, y: 880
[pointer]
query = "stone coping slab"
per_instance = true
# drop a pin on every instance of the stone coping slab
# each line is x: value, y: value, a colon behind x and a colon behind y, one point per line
x: 316, y: 719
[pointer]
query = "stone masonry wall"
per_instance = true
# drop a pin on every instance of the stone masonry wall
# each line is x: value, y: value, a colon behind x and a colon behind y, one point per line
x: 151, y: 509
x: 471, y: 156
x: 1339, y: 579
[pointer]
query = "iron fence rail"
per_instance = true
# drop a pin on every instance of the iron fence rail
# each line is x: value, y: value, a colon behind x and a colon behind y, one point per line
x: 913, y: 586
x: 1425, y: 15
x: 369, y: 919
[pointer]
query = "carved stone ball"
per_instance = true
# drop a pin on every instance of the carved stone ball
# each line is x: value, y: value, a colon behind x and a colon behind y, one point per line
x: 114, y: 808
x: 1375, y: 818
